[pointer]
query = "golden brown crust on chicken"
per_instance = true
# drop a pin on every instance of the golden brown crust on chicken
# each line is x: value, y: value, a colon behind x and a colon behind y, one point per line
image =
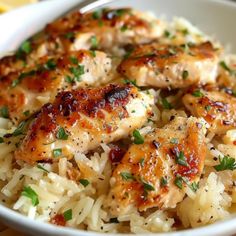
x: 170, y: 66
x: 104, y: 29
x: 29, y: 89
x: 80, y: 120
x: 153, y: 174
x: 216, y: 107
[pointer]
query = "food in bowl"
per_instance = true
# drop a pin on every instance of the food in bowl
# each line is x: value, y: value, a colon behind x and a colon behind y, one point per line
x: 116, y: 121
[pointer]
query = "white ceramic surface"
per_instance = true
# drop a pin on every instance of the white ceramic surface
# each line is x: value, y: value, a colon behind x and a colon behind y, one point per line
x: 215, y: 17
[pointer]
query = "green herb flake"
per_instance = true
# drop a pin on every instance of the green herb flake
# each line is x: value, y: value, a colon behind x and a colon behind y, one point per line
x: 93, y: 53
x: 68, y: 215
x: 84, y: 182
x: 181, y: 159
x: 94, y: 42
x: 167, y: 34
x: 42, y: 168
x: 174, y: 141
x: 194, y: 186
x: 15, y: 82
x: 31, y: 194
x: 61, y: 134
x: 26, y: 113
x: 69, y: 35
x: 57, y: 152
x: 208, y: 108
x: 147, y: 186
x: 97, y: 14
x: 123, y: 28
x: 4, y: 112
x: 20, y: 129
x: 179, y: 182
x: 138, y: 138
x: 25, y: 48
x: 1, y: 140
x: 185, y: 32
x: 166, y: 104
x: 127, y: 176
x: 185, y: 74
x: 197, y: 93
x: 226, y: 163
x: 69, y: 80
x: 142, y: 162
x: 77, y: 72
x: 163, y: 181
x: 227, y: 68
x: 50, y: 65
x: 74, y: 60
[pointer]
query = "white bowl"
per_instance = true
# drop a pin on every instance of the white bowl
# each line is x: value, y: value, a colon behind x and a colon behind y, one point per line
x: 214, y: 17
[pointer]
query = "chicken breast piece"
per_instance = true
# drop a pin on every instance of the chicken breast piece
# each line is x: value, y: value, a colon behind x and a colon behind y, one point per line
x: 104, y: 29
x: 80, y: 120
x: 155, y: 173
x: 25, y: 92
x: 169, y: 66
x: 216, y: 107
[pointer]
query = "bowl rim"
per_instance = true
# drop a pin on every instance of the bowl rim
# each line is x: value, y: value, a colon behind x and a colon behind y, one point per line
x: 218, y: 228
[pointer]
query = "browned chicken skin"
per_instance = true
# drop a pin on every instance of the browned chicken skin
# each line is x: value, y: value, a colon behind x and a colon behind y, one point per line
x: 25, y: 92
x: 153, y: 174
x: 80, y: 120
x: 170, y: 66
x: 216, y: 107
x: 102, y: 29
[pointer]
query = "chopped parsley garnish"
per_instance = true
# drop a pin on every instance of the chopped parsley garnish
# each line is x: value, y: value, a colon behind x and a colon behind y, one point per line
x: 163, y: 181
x: 74, y: 60
x: 208, y: 108
x: 26, y: 113
x: 20, y: 129
x: 185, y: 32
x: 167, y: 34
x: 31, y: 194
x: 61, y: 134
x: 93, y: 53
x: 138, y: 138
x: 42, y: 168
x: 194, y: 186
x: 68, y: 215
x: 70, y: 80
x: 141, y: 162
x: 174, y: 141
x: 69, y: 35
x: 94, y: 42
x: 50, y: 65
x: 166, y: 104
x: 123, y: 28
x: 181, y: 159
x: 22, y: 76
x: 128, y: 53
x: 179, y: 182
x: 127, y: 176
x: 147, y: 186
x: 15, y: 82
x: 226, y: 163
x: 97, y: 14
x: 77, y: 72
x: 1, y: 140
x: 133, y: 82
x: 57, y: 152
x: 226, y: 67
x: 185, y: 74
x: 84, y: 182
x: 197, y: 93
x: 4, y: 112
x: 25, y: 48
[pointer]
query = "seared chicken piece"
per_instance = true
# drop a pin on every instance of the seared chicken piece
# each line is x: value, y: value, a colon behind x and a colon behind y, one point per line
x: 104, y: 29
x: 169, y: 66
x: 25, y: 92
x: 155, y: 173
x: 80, y: 120
x: 216, y: 107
